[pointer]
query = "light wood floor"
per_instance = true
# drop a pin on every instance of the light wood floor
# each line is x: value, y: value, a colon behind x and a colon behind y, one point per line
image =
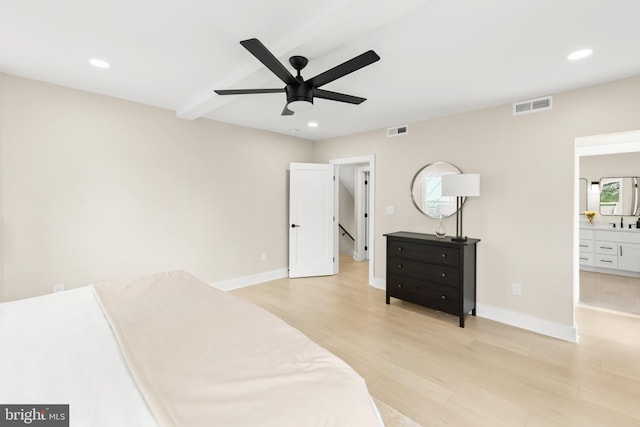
x: 609, y: 291
x: 487, y: 374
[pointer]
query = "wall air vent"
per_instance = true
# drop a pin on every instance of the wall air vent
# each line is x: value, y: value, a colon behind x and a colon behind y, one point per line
x: 533, y: 105
x: 397, y: 131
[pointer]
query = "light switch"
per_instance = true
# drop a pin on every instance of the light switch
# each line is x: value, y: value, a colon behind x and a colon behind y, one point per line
x: 390, y: 210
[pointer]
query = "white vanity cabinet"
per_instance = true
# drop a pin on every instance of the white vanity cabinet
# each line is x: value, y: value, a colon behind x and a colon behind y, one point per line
x: 629, y: 257
x: 615, y: 251
x: 586, y: 246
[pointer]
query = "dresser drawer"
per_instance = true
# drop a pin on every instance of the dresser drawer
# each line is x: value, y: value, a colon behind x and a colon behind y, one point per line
x: 438, y: 297
x: 431, y: 272
x: 424, y: 252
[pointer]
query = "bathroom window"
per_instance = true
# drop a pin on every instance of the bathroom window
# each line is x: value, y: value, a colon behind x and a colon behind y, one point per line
x: 610, y: 198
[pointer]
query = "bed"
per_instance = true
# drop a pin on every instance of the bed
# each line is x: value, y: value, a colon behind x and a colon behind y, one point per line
x: 170, y: 350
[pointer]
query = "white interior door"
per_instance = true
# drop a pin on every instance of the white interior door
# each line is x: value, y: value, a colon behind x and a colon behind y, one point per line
x: 312, y: 229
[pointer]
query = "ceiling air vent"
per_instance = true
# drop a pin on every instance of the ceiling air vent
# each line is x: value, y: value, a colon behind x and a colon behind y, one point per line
x: 397, y: 131
x: 533, y: 105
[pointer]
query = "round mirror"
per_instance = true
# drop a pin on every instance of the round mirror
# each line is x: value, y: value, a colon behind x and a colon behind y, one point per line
x: 426, y: 190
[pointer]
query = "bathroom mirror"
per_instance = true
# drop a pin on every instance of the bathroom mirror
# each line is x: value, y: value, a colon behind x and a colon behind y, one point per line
x: 426, y: 190
x: 583, y: 195
x: 619, y: 196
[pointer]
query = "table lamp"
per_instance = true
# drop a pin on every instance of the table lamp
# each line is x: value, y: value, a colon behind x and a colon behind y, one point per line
x: 459, y: 186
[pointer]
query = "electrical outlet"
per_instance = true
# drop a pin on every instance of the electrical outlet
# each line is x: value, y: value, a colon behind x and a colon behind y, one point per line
x: 516, y: 289
x: 263, y: 257
x: 58, y: 288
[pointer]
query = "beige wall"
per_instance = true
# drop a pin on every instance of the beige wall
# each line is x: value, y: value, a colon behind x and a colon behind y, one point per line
x: 526, y: 229
x: 609, y: 165
x: 95, y: 188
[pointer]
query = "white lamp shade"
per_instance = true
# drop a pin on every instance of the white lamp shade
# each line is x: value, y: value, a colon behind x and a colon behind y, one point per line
x: 461, y: 185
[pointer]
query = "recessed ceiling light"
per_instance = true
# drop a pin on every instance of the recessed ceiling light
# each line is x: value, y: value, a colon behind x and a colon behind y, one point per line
x: 312, y: 124
x: 99, y: 63
x: 579, y: 54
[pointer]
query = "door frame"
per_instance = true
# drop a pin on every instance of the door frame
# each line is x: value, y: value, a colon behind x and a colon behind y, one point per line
x: 371, y: 160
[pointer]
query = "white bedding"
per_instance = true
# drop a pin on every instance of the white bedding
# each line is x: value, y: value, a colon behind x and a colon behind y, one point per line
x: 60, y: 349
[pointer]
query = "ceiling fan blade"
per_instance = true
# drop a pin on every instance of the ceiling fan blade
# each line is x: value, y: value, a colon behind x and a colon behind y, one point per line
x: 286, y: 112
x: 345, y: 68
x: 335, y: 96
x: 246, y: 91
x: 263, y: 55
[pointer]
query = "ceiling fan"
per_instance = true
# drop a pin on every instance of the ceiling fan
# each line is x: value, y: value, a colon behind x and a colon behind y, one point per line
x: 300, y: 92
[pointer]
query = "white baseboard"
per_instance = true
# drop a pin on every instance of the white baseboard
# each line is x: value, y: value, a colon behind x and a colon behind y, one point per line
x: 378, y: 283
x: 241, y: 282
x: 530, y: 323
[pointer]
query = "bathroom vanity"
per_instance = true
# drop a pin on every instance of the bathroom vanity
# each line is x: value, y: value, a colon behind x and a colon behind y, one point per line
x: 610, y: 250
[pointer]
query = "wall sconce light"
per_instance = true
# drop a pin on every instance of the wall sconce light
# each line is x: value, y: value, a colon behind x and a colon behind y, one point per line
x: 459, y: 186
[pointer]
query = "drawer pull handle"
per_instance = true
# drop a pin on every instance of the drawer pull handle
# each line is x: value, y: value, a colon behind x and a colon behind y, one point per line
x: 584, y: 258
x: 399, y: 285
x: 444, y: 274
x: 584, y: 246
x: 399, y: 248
x: 444, y: 255
x: 443, y: 297
x: 399, y: 265
x: 606, y: 260
x: 605, y: 247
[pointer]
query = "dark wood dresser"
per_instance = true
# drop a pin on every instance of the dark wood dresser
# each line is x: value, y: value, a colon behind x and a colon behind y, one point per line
x: 436, y: 273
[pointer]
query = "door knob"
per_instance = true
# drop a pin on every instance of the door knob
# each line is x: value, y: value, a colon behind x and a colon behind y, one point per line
x: 295, y: 225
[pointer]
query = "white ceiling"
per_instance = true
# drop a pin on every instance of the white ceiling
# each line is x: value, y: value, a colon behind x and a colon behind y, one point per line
x: 438, y: 56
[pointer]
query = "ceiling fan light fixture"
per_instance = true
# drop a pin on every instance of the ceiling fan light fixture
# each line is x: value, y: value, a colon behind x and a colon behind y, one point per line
x: 299, y: 97
x: 300, y: 105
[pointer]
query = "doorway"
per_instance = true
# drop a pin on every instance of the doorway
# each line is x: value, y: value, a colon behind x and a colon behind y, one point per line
x: 362, y: 171
x: 594, y: 286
